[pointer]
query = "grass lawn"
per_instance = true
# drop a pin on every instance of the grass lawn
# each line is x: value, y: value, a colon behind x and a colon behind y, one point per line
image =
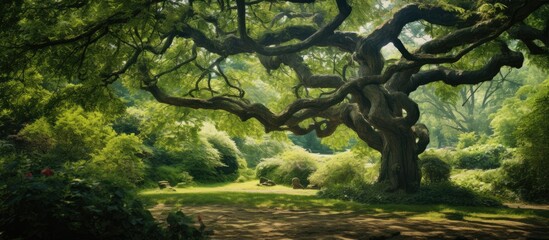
x: 249, y: 195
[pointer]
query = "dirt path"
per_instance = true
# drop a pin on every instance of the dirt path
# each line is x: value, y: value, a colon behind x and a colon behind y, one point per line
x: 268, y: 223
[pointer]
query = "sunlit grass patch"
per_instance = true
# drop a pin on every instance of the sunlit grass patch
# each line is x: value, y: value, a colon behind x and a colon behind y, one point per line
x: 249, y: 195
x: 250, y: 186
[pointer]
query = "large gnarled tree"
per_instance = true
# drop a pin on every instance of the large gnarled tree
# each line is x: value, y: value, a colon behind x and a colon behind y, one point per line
x: 156, y: 43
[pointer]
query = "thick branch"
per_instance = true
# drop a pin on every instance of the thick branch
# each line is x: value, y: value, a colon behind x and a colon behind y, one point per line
x: 391, y: 29
x: 354, y: 120
x: 528, y: 35
x: 304, y: 73
x: 324, y: 32
x: 458, y: 77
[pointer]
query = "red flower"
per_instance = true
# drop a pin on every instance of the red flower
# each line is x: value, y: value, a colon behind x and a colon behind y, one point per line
x: 28, y: 175
x: 47, y: 172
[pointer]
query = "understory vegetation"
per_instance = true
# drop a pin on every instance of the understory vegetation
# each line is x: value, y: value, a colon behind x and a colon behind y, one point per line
x: 104, y: 102
x: 81, y: 165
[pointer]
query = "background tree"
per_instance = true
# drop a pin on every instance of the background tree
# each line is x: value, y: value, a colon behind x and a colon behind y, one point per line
x: 207, y: 54
x: 527, y: 174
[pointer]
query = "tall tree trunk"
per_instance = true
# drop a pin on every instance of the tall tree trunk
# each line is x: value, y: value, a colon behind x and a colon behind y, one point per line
x: 399, y: 161
x: 394, y: 115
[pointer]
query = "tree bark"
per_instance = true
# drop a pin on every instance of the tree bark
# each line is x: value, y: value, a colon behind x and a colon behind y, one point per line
x: 399, y: 161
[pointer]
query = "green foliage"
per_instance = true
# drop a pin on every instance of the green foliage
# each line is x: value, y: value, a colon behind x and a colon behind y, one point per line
x: 254, y: 150
x: 282, y: 168
x: 268, y: 167
x: 343, y: 168
x: 446, y: 93
x: 445, y: 154
x: 506, y: 119
x: 38, y: 136
x: 185, y: 180
x: 75, y: 135
x: 486, y: 182
x: 173, y: 174
x: 64, y: 208
x: 127, y: 123
x: 364, y: 151
x: 227, y: 148
x: 528, y: 174
x: 433, y: 169
x: 79, y: 134
x: 523, y: 177
x: 481, y: 157
x: 21, y: 102
x: 120, y: 160
x: 201, y: 161
x: 467, y: 140
x: 310, y: 142
x: 342, y: 139
x: 435, y: 193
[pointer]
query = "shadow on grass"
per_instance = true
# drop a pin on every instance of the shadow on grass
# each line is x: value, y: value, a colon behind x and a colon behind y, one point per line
x: 314, y: 203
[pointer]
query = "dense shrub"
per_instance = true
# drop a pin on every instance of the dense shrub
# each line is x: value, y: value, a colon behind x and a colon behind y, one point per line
x: 120, y: 160
x: 211, y: 156
x: 526, y: 180
x: 254, y: 150
x: 481, y: 157
x: 267, y: 167
x: 433, y: 169
x: 79, y: 134
x: 436, y: 193
x: 229, y: 153
x: 487, y: 182
x: 343, y: 168
x: 59, y: 207
x: 467, y: 140
x: 38, y: 137
x: 528, y: 175
x: 245, y: 173
x: 199, y: 159
x: 281, y: 169
x: 445, y: 154
x: 74, y: 135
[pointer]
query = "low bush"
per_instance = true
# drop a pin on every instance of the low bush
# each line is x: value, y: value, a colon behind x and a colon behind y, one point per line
x: 59, y: 207
x: 467, y: 140
x: 343, y: 168
x: 481, y: 157
x: 445, y: 154
x: 433, y: 169
x: 526, y: 180
x: 120, y: 160
x: 487, y: 182
x: 290, y: 164
x: 227, y: 149
x: 435, y: 193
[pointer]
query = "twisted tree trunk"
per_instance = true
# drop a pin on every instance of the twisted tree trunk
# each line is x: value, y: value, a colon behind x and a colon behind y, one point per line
x: 399, y: 161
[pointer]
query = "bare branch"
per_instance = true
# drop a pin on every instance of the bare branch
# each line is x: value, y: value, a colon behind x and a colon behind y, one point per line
x: 455, y: 77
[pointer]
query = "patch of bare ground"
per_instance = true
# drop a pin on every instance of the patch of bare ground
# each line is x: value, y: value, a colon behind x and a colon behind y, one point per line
x: 230, y: 222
